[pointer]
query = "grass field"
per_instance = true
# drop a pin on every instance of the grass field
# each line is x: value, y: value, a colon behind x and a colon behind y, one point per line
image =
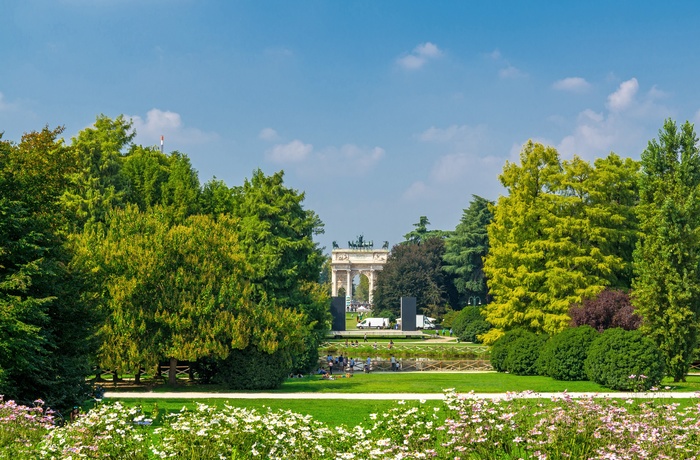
x: 341, y: 412
x: 431, y: 382
x: 356, y: 412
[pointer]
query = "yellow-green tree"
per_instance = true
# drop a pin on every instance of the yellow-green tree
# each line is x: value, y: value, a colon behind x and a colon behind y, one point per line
x: 554, y: 239
x: 179, y: 291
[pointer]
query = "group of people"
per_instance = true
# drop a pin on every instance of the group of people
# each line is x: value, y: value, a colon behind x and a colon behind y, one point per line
x: 340, y: 364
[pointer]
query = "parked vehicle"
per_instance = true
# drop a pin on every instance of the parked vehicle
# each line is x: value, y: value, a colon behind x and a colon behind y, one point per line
x: 373, y: 323
x: 423, y: 322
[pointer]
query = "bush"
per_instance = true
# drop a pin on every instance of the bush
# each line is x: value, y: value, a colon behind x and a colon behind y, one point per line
x: 251, y: 369
x: 610, y: 309
x: 524, y: 353
x: 564, y: 355
x: 624, y: 360
x: 469, y: 324
x: 501, y: 350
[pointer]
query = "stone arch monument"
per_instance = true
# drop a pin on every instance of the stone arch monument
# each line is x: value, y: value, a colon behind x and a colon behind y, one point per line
x: 359, y: 259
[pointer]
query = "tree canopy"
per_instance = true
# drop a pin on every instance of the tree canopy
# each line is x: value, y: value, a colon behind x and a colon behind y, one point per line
x: 414, y: 270
x: 559, y: 236
x: 667, y: 257
x: 465, y: 249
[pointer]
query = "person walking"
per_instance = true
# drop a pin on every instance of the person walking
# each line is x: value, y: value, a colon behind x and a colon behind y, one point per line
x: 365, y: 337
x: 393, y: 363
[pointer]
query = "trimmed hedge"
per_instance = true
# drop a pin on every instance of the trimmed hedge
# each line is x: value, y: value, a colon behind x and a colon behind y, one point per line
x: 624, y: 360
x: 251, y: 369
x: 564, y: 355
x: 517, y: 352
x: 469, y: 324
x: 524, y: 353
x: 500, y: 348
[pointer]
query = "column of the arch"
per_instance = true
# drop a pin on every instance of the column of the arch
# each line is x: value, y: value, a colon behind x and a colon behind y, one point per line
x: 334, y: 283
x: 371, y: 276
x: 348, y: 288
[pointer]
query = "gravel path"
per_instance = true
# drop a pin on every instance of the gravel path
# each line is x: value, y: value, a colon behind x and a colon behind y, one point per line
x: 391, y: 396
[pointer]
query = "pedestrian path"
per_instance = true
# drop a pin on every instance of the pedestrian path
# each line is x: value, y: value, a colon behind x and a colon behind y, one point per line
x: 398, y: 396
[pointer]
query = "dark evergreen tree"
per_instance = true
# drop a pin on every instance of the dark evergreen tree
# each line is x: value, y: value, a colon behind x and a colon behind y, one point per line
x: 415, y: 270
x: 465, y: 249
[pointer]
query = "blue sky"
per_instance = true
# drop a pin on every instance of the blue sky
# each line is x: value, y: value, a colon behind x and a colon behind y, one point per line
x: 380, y: 111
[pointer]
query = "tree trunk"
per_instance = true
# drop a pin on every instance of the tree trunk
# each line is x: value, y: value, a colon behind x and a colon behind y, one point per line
x: 172, y: 372
x: 137, y: 377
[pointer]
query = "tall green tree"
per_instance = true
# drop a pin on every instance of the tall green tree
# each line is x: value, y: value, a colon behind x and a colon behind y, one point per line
x: 179, y: 291
x: 276, y: 234
x: 557, y: 238
x: 465, y: 249
x: 147, y: 171
x: 98, y: 183
x: 414, y: 270
x: 181, y: 192
x: 667, y: 258
x: 421, y: 233
x: 44, y: 352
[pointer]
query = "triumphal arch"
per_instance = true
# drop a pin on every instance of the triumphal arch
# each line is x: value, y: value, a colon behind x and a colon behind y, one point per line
x: 359, y: 259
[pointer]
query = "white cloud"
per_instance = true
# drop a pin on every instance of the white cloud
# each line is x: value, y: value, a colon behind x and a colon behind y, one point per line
x: 511, y: 72
x: 573, y: 84
x: 331, y: 161
x: 268, y: 134
x: 630, y: 120
x: 416, y: 190
x: 507, y: 70
x: 293, y: 152
x: 420, y: 55
x: 624, y: 96
x: 456, y: 134
x: 168, y: 124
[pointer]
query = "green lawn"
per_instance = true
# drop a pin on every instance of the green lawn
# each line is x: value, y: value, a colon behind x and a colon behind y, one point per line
x: 334, y: 412
x: 429, y: 382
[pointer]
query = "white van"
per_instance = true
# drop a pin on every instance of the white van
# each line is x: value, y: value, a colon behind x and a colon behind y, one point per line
x: 373, y: 323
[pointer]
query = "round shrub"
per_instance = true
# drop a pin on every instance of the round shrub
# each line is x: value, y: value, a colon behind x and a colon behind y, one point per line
x: 252, y: 369
x: 499, y: 349
x: 523, y: 354
x: 624, y: 360
x: 564, y: 355
x: 469, y: 324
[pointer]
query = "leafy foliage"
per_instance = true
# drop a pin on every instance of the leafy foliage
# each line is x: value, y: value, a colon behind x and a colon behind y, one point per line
x: 276, y: 237
x: 469, y: 324
x: 564, y: 354
x: 465, y: 249
x: 252, y: 369
x: 624, y: 360
x: 558, y: 237
x: 501, y: 348
x: 667, y: 287
x: 44, y: 351
x: 524, y: 353
x: 414, y: 270
x: 611, y: 308
x: 421, y: 233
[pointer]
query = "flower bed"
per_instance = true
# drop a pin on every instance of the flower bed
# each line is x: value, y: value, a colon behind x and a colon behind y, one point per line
x: 465, y: 428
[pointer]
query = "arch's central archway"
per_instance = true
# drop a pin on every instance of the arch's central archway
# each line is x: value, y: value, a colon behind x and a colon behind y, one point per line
x: 360, y: 259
